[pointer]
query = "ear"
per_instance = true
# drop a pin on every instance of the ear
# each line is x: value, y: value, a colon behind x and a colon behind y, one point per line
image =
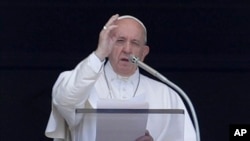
x: 145, y: 52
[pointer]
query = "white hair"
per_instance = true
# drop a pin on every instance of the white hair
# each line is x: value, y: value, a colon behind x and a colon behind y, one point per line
x: 137, y: 20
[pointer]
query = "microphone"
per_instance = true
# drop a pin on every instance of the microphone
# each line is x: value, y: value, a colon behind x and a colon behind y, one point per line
x: 147, y: 68
x: 135, y: 60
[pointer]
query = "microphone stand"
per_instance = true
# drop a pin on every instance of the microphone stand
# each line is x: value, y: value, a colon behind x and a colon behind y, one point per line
x: 155, y: 73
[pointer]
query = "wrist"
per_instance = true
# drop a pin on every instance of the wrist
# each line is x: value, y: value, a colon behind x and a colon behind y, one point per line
x: 99, y: 55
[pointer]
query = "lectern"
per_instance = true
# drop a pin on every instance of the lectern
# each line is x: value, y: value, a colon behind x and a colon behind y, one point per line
x: 128, y: 124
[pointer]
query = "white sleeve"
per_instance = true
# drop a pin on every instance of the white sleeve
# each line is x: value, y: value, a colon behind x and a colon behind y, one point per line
x: 72, y: 87
x: 71, y: 91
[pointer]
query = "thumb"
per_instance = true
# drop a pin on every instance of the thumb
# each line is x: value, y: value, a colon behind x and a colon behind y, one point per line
x: 147, y: 133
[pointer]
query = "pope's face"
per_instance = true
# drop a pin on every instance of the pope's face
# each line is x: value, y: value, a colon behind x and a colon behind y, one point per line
x: 129, y: 39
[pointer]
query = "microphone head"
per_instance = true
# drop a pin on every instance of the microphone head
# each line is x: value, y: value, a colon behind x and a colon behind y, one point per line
x: 133, y: 59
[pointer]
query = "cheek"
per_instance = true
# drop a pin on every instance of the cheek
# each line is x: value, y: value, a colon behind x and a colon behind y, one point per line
x: 114, y: 53
x: 116, y: 50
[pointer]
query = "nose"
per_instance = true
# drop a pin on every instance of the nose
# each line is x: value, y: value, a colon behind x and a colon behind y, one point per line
x: 127, y: 48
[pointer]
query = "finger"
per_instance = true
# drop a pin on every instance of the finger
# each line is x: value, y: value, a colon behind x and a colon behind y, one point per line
x: 106, y: 32
x: 140, y: 138
x: 109, y: 28
x: 111, y: 20
x: 147, y: 133
x: 144, y: 138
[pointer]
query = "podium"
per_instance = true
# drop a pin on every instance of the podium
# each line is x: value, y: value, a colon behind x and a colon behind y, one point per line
x: 128, y: 124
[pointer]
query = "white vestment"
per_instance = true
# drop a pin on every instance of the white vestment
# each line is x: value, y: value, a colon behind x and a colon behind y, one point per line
x: 85, y: 85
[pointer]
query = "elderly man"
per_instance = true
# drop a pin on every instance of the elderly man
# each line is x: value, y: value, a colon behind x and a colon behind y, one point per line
x: 94, y: 79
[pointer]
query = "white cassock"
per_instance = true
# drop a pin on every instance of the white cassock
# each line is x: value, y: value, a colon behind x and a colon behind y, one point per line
x: 92, y: 81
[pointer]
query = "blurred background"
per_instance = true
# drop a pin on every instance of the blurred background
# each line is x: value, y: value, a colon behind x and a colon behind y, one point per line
x: 203, y: 47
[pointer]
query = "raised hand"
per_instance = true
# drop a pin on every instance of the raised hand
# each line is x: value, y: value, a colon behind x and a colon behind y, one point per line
x: 106, y: 39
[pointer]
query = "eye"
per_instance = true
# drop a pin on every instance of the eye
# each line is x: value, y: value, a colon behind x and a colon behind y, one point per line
x: 136, y: 43
x: 120, y: 39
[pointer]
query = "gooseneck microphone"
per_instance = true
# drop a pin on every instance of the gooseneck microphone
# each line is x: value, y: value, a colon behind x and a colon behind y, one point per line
x: 155, y: 73
x: 147, y: 68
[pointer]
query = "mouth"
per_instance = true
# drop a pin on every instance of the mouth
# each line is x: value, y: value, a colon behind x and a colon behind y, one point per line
x: 125, y: 60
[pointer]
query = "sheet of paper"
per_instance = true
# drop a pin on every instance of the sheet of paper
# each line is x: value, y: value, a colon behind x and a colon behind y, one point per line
x: 121, y: 126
